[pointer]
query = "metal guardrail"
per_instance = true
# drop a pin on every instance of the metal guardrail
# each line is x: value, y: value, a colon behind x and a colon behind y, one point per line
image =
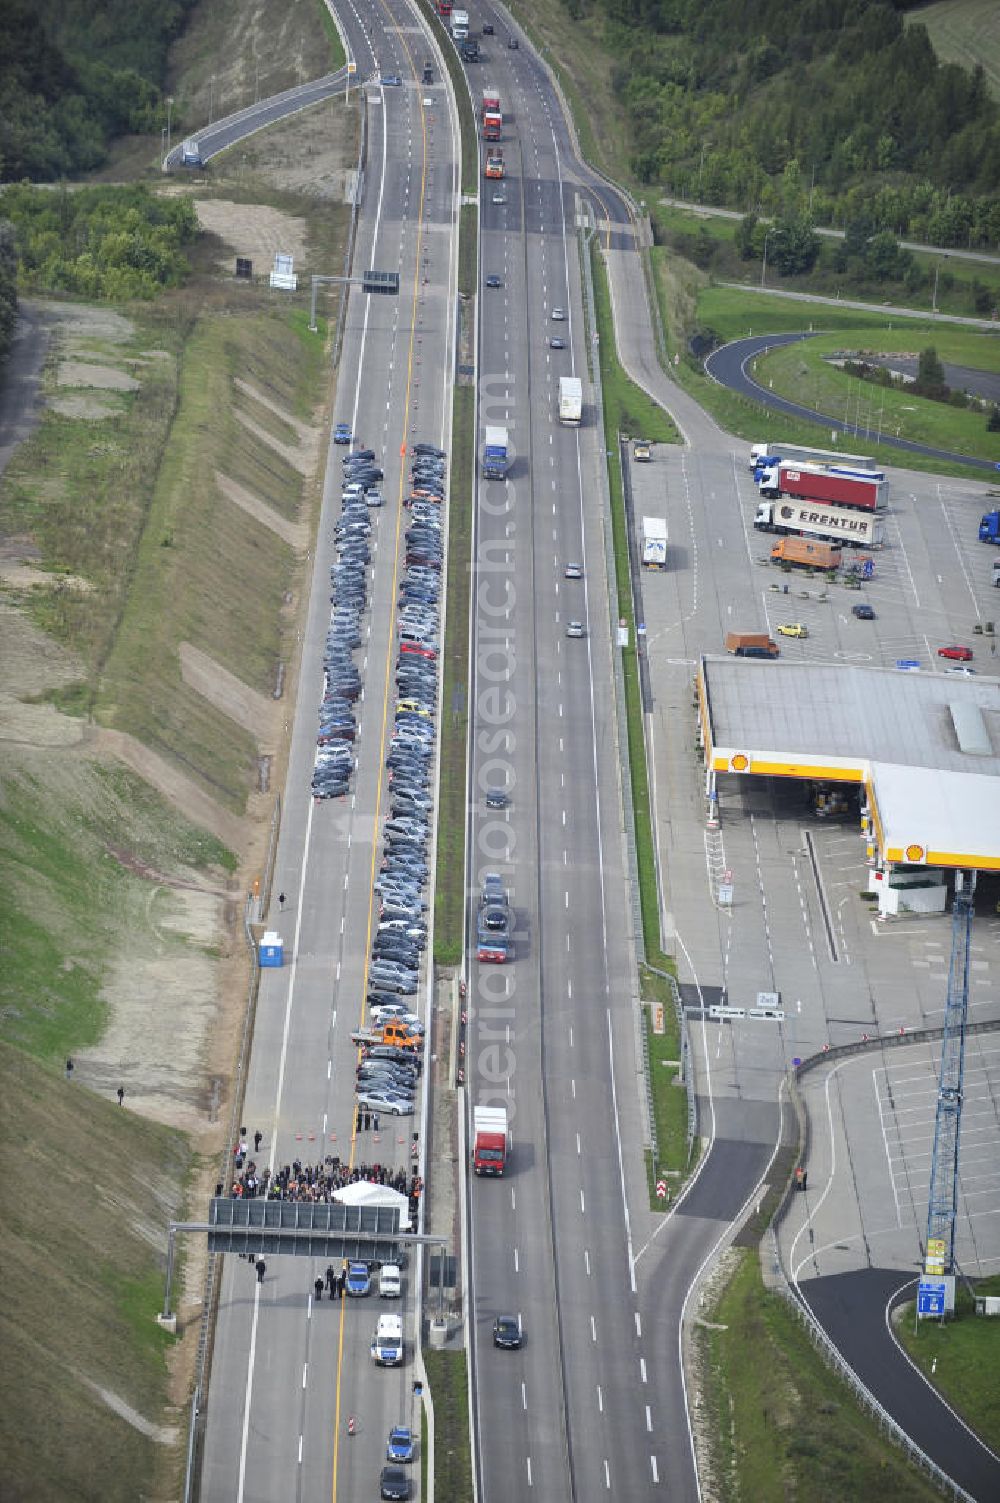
x: 209, y: 1298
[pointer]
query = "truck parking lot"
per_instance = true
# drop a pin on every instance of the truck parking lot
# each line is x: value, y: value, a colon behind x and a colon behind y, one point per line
x: 796, y: 924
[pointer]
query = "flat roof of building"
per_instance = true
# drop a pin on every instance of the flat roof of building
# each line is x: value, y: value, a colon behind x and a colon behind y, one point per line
x: 925, y: 745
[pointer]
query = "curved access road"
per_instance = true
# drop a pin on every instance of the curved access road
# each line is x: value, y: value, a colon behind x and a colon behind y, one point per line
x: 221, y: 134
x: 728, y: 366
x: 853, y: 1309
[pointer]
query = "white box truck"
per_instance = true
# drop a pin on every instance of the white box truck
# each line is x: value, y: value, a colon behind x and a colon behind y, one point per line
x: 570, y: 399
x: 654, y: 543
x: 460, y: 25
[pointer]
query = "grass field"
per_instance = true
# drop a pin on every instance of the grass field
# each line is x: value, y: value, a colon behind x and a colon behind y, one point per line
x: 668, y: 1093
x: 961, y: 1358
x: 965, y: 32
x: 732, y: 314
x: 782, y: 1425
x: 68, y: 907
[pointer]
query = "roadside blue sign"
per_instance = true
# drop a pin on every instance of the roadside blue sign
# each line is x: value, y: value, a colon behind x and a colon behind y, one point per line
x: 931, y: 1295
x: 907, y: 663
x: 868, y: 569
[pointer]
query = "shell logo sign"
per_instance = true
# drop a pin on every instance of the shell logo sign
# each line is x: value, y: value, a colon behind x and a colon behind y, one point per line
x: 739, y: 762
x: 915, y: 853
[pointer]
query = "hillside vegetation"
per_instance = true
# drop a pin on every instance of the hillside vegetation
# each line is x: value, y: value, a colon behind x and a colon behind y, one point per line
x: 721, y: 96
x: 74, y: 74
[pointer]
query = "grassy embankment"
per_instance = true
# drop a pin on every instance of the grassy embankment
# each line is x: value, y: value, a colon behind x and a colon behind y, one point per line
x: 960, y: 1358
x: 705, y: 236
x: 87, y: 1187
x: 781, y: 1424
x: 137, y: 552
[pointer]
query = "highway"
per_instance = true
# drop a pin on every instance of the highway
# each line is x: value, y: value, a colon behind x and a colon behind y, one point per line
x: 595, y: 1401
x: 287, y: 1371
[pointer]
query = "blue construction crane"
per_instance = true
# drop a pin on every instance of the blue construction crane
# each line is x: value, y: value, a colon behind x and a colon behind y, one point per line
x: 942, y: 1209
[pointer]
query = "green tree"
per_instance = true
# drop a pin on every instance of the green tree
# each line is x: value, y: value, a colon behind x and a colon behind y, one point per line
x: 793, y: 246
x: 743, y: 238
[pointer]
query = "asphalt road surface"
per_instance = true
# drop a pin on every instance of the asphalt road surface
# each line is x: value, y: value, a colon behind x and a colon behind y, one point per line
x: 728, y: 366
x: 289, y: 1372
x: 221, y: 134
x: 21, y: 404
x: 854, y: 1308
x: 595, y: 1401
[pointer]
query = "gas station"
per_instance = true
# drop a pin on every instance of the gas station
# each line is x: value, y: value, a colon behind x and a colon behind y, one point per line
x: 923, y: 750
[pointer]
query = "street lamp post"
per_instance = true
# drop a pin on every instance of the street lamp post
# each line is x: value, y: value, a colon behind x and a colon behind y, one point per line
x: 211, y: 99
x: 763, y: 264
x: 170, y: 106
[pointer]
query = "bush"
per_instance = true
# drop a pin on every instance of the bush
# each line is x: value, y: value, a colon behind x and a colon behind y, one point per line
x: 110, y: 243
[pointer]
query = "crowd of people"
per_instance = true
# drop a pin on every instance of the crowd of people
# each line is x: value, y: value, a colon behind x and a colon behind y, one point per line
x: 316, y: 1182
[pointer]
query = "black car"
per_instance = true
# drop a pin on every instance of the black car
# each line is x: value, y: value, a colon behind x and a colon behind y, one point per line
x: 393, y: 1483
x: 496, y: 798
x: 494, y: 282
x: 863, y: 612
x: 507, y: 1332
x: 430, y: 449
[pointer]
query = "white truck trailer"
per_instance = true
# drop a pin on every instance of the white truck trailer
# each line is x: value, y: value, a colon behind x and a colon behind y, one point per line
x: 654, y: 543
x: 570, y: 399
x: 814, y: 519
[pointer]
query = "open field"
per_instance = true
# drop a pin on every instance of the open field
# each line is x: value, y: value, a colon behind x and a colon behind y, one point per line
x: 781, y: 1424
x: 965, y: 32
x: 800, y: 372
x: 731, y: 314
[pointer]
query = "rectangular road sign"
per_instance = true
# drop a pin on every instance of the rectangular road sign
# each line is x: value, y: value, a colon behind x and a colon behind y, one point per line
x: 936, y: 1296
x: 930, y: 1297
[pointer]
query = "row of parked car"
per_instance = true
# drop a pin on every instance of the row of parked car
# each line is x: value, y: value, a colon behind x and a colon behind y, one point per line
x: 405, y: 871
x: 338, y: 727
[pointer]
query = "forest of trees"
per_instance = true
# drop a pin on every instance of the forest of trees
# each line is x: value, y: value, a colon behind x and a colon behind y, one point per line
x: 722, y: 95
x: 76, y: 73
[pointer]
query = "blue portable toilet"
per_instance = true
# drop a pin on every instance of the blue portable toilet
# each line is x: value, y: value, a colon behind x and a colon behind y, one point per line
x: 272, y: 949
